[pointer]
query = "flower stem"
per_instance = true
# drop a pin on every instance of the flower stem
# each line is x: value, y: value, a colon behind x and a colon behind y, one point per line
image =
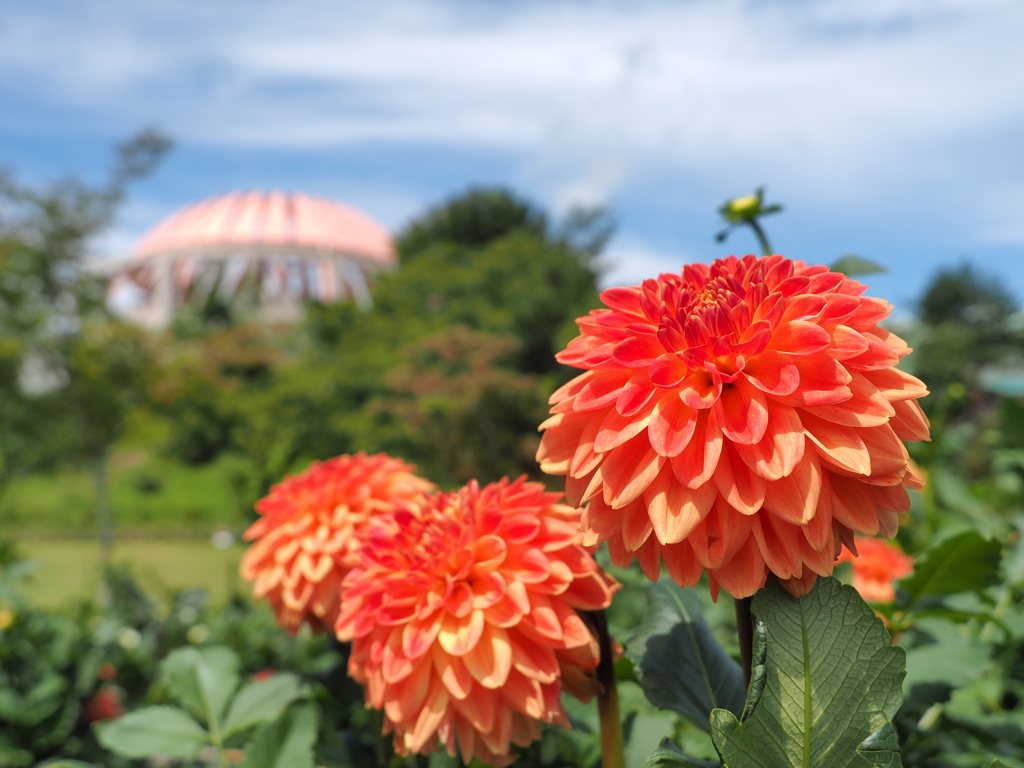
x: 608, y: 696
x: 745, y: 632
x: 762, y: 238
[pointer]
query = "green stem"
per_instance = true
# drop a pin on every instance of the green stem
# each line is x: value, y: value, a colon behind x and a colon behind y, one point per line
x: 745, y: 634
x: 762, y: 238
x: 608, y: 696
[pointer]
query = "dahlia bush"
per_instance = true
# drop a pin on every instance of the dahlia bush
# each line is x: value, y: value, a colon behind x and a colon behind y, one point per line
x: 738, y: 419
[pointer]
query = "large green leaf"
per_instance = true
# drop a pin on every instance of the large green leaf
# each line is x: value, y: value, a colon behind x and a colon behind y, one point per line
x: 963, y: 562
x: 203, y: 679
x: 286, y: 742
x: 678, y: 661
x: 831, y: 685
x: 261, y: 702
x: 669, y: 755
x: 853, y: 265
x: 166, y: 731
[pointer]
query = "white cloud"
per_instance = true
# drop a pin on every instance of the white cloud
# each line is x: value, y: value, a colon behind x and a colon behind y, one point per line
x: 835, y: 100
x: 628, y: 261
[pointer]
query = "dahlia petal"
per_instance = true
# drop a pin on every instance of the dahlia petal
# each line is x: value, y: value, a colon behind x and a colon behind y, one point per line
x: 407, y: 696
x: 668, y: 370
x: 794, y: 498
x: 585, y: 460
x: 599, y: 392
x: 745, y: 573
x: 459, y: 635
x: 683, y: 566
x: 720, y: 535
x: 543, y: 618
x: 804, y: 307
x: 637, y: 392
x: 847, y: 343
x: 870, y: 312
x: 697, y: 462
x: 453, y: 673
x: 418, y: 636
x: 481, y: 710
x: 773, y: 372
x: 490, y: 660
x: 489, y: 552
x: 434, y: 707
x: 523, y: 694
x: 533, y: 660
x: 588, y: 593
x: 560, y: 440
x: 623, y: 300
x: 531, y: 566
x: 672, y: 426
x: 910, y: 422
x: 700, y: 390
x: 513, y: 528
x: 895, y: 384
x: 571, y: 387
x: 878, y: 355
x: 675, y: 510
x: 893, y: 498
x: 818, y: 531
x: 888, y: 454
x: 800, y: 338
x: 782, y: 446
x: 838, y: 309
x: 636, y: 525
x: 742, y: 412
x: 630, y: 469
x: 616, y: 430
x: 780, y: 544
x: 637, y: 351
x: 844, y: 446
x: 743, y: 489
x: 853, y: 506
x: 823, y: 381
x: 867, y: 407
x: 649, y: 557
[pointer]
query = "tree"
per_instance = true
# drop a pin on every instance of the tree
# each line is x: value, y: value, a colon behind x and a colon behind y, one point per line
x: 74, y: 371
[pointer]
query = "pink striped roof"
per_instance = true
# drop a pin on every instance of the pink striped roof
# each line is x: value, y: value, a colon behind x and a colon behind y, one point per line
x: 269, y: 219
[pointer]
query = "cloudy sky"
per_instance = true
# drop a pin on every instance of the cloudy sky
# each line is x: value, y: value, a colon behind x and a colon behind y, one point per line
x: 888, y: 128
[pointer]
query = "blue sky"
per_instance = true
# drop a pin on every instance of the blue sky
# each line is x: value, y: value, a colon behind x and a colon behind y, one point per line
x: 889, y: 128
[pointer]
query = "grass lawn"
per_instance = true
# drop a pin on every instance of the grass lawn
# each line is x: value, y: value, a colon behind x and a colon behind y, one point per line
x: 69, y: 569
x: 150, y: 496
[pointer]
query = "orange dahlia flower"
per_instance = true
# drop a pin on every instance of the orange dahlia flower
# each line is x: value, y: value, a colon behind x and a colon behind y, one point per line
x: 306, y: 539
x: 740, y: 418
x: 876, y: 565
x: 463, y: 621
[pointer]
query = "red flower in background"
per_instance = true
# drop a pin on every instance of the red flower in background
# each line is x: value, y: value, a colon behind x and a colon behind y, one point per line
x: 740, y: 418
x: 462, y: 618
x: 877, y: 565
x: 310, y: 528
x: 105, y: 704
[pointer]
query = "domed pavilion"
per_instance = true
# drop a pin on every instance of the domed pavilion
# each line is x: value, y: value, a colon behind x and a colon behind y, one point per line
x: 278, y: 249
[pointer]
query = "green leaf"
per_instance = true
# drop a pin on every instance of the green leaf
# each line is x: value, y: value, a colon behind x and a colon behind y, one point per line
x: 668, y: 754
x: 832, y: 680
x: 203, y: 679
x: 882, y: 748
x: 955, y: 660
x: 853, y: 265
x: 260, y: 702
x: 963, y: 562
x: 286, y: 742
x: 677, y: 659
x: 66, y: 764
x: 166, y: 731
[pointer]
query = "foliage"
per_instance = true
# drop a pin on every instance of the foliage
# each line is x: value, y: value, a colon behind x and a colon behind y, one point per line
x: 216, y: 711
